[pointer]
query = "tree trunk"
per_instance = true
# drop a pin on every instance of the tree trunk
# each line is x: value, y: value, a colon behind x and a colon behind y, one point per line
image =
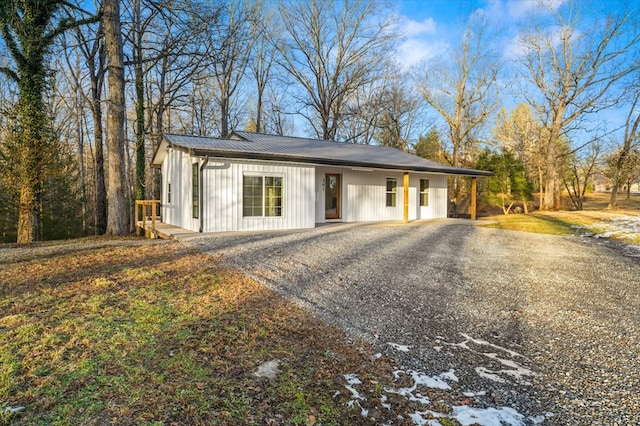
x: 33, y: 122
x: 140, y: 149
x: 540, y: 189
x: 553, y: 188
x: 117, y: 212
x: 157, y: 138
x: 82, y: 171
x: 139, y: 89
x: 224, y: 117
x: 101, y: 189
x: 27, y: 216
x: 259, y: 111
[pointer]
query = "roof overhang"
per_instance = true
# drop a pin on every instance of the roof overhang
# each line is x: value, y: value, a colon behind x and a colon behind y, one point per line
x: 163, y: 148
x: 332, y: 162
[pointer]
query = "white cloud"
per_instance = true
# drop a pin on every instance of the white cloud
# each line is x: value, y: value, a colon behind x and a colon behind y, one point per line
x: 412, y: 28
x: 505, y: 11
x: 516, y: 48
x: 420, y: 41
x: 517, y: 9
x: 413, y: 51
x: 552, y: 39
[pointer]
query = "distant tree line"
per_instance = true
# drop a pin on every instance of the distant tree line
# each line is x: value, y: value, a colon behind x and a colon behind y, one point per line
x: 88, y: 91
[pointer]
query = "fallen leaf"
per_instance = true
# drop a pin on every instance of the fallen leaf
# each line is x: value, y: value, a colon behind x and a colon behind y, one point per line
x: 312, y: 420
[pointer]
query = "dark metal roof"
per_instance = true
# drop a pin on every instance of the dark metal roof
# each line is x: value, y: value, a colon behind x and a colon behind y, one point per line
x: 292, y: 149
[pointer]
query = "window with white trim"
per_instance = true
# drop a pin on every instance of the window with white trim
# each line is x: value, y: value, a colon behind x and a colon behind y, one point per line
x: 262, y: 196
x: 392, y: 186
x: 424, y: 192
x: 195, y: 190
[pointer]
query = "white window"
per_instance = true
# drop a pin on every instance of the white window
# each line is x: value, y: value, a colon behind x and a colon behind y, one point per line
x: 262, y: 196
x: 195, y: 190
x: 392, y: 185
x: 424, y: 192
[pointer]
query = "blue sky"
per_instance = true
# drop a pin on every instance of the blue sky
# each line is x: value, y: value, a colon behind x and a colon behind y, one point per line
x: 433, y: 28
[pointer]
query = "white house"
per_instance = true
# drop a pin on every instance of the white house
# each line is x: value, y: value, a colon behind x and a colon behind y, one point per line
x: 259, y: 182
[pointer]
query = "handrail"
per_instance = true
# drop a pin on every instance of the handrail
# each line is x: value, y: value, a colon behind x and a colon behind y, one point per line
x: 144, y: 204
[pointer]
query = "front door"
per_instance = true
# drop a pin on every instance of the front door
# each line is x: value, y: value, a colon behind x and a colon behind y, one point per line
x: 332, y: 196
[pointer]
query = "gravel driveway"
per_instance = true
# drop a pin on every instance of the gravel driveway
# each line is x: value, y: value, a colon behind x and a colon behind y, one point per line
x: 545, y: 325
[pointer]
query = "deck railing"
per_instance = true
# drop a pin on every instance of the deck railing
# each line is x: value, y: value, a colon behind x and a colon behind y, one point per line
x: 147, y: 210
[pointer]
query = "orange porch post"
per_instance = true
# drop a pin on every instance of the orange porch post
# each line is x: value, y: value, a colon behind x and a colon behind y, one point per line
x: 406, y: 197
x: 474, y: 186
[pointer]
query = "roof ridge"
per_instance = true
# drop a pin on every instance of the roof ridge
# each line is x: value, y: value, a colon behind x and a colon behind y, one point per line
x: 290, y: 137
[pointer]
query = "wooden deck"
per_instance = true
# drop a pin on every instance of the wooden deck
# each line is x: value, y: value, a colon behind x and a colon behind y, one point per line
x: 149, y: 222
x: 170, y: 232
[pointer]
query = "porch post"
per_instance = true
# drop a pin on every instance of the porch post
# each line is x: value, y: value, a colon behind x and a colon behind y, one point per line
x: 474, y: 185
x: 406, y: 197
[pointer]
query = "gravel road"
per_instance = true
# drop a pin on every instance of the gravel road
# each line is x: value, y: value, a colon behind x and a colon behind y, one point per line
x: 546, y: 325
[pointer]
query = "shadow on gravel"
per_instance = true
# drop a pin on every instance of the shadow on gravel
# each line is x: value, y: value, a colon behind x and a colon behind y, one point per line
x: 494, y: 305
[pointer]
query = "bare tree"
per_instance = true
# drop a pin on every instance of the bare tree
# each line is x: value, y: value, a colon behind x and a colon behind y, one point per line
x: 332, y: 49
x: 398, y: 115
x: 462, y: 90
x: 276, y: 120
x: 141, y: 19
x: 231, y: 38
x: 623, y: 158
x: 579, y: 172
x: 92, y: 48
x: 574, y: 70
x: 117, y: 212
x: 266, y: 38
x: 362, y: 113
x: 73, y: 100
x: 177, y: 58
x: 9, y: 178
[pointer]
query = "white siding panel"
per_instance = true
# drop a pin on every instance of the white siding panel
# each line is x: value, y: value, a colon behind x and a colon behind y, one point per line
x: 177, y: 169
x: 437, y: 196
x: 223, y: 187
x: 363, y: 194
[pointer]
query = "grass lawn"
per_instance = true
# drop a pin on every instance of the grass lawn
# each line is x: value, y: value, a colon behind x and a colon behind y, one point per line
x: 593, y: 219
x: 149, y: 332
x: 134, y: 332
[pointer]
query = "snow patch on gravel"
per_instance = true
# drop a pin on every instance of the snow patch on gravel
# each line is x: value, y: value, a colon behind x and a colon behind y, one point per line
x: 464, y: 414
x: 467, y: 416
x: 397, y: 347
x: 515, y: 370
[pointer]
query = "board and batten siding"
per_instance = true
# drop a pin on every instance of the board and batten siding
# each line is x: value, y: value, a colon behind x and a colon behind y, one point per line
x: 223, y: 196
x: 363, y: 195
x: 222, y: 206
x: 438, y: 204
x: 176, y: 170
